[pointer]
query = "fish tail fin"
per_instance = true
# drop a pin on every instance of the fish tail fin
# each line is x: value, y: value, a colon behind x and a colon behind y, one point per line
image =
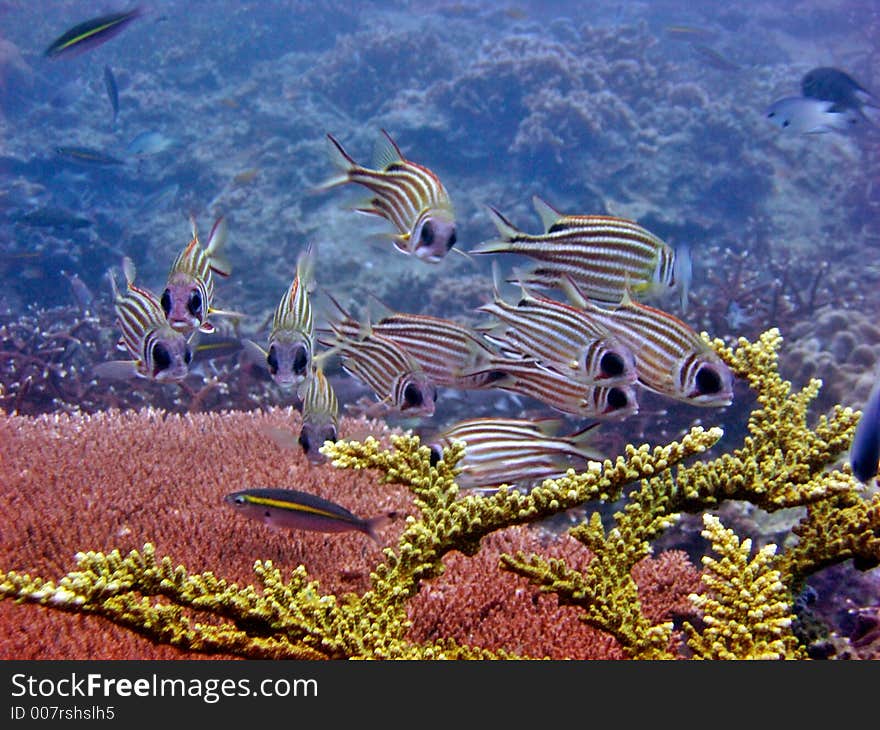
x: 342, y: 319
x: 342, y: 161
x: 216, y: 243
x: 582, y: 441
x: 682, y: 273
x: 507, y: 231
x: 374, y: 524
x: 129, y: 271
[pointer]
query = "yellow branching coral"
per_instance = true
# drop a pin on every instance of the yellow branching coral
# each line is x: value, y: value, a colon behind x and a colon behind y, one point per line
x: 746, y: 607
x: 783, y: 462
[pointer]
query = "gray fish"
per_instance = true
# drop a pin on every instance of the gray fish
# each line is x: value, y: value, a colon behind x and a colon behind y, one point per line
x: 865, y: 450
x: 149, y: 143
x: 87, y: 156
x: 112, y: 91
x: 713, y: 58
x: 804, y: 115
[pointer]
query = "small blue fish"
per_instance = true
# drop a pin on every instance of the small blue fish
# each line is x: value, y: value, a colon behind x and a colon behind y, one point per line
x: 302, y: 511
x: 112, y: 91
x: 865, y: 451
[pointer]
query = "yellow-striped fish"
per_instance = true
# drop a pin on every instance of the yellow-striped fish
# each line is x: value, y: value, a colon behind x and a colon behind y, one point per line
x: 158, y: 351
x: 671, y: 358
x: 405, y: 193
x: 90, y: 33
x: 561, y: 338
x: 562, y: 393
x: 320, y: 415
x: 297, y: 510
x: 189, y: 292
x: 603, y: 255
x: 292, y: 338
x: 515, y: 451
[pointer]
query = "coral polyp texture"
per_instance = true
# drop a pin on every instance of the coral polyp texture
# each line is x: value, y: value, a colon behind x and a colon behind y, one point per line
x: 414, y: 597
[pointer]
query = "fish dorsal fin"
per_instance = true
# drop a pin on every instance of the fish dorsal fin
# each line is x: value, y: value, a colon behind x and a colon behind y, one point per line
x: 549, y: 214
x: 507, y: 230
x: 572, y: 292
x: 194, y: 226
x: 129, y: 270
x: 305, y: 268
x: 216, y: 243
x: 385, y: 152
x: 378, y: 307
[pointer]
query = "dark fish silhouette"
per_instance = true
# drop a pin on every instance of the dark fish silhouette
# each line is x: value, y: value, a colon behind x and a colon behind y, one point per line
x: 90, y: 33
x: 832, y: 84
x: 865, y: 450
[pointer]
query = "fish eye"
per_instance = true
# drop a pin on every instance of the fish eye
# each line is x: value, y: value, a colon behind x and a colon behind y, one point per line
x: 165, y: 301
x: 195, y: 303
x: 300, y: 360
x: 412, y: 396
x: 611, y: 364
x: 161, y: 357
x: 451, y: 242
x: 304, y: 441
x: 239, y: 500
x: 436, y: 455
x: 617, y: 398
x: 272, y: 360
x: 708, y: 380
x: 427, y: 235
x: 187, y: 356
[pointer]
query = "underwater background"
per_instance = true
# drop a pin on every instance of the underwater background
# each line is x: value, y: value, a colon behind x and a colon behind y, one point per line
x: 653, y: 111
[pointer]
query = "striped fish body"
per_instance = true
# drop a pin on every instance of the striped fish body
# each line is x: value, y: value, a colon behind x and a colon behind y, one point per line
x: 292, y: 509
x: 603, y: 255
x: 408, y: 195
x: 560, y: 337
x: 189, y: 292
x: 444, y: 349
x: 671, y: 358
x: 390, y: 372
x: 515, y: 451
x: 320, y: 415
x: 159, y: 352
x: 529, y: 378
x: 292, y: 338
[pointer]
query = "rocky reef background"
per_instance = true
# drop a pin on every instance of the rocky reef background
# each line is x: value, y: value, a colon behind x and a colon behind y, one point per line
x: 652, y: 111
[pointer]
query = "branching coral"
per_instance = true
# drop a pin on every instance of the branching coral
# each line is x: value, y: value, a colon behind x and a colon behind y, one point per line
x: 782, y: 463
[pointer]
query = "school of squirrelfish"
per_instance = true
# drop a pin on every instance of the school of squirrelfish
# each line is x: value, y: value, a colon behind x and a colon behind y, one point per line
x: 584, y: 353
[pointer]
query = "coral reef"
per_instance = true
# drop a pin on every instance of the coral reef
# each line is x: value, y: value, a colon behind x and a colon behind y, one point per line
x: 782, y: 463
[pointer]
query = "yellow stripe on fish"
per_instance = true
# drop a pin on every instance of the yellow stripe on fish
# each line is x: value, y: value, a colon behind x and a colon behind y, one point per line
x: 408, y: 195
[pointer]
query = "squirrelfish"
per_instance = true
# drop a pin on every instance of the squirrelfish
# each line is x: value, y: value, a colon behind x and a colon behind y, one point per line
x: 671, y: 358
x: 320, y: 415
x: 560, y: 337
x: 444, y: 349
x: 158, y: 351
x: 297, y: 510
x: 389, y: 371
x: 405, y: 193
x: 604, y: 255
x: 292, y: 338
x: 189, y: 291
x: 515, y: 451
x: 560, y: 392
